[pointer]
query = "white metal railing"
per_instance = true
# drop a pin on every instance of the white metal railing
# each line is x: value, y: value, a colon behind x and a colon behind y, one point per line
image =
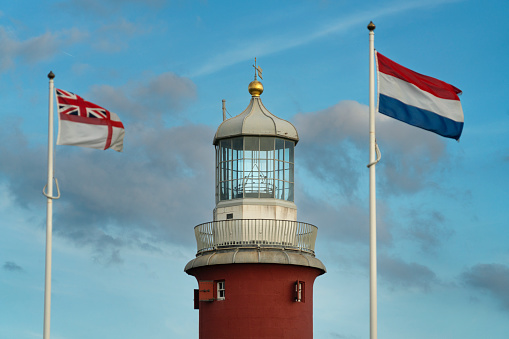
x: 256, y: 232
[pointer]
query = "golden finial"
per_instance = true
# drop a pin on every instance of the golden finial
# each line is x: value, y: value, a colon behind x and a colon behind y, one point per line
x: 255, y: 87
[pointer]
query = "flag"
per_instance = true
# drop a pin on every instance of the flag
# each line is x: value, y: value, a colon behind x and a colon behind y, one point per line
x: 418, y: 100
x: 82, y: 123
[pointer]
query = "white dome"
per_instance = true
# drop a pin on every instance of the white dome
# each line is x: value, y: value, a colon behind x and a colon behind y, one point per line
x: 256, y: 120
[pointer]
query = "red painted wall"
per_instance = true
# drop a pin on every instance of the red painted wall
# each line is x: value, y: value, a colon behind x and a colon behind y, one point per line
x: 259, y: 302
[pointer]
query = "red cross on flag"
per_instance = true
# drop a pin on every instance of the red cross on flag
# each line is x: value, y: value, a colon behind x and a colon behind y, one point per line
x: 82, y: 123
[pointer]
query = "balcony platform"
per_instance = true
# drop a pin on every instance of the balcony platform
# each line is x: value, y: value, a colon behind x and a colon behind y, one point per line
x: 255, y: 241
x: 255, y: 256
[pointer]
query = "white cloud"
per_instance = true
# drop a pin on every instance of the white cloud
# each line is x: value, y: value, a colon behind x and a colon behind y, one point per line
x: 104, y: 8
x: 35, y: 49
x: 334, y: 142
x: 147, y: 100
x: 113, y: 37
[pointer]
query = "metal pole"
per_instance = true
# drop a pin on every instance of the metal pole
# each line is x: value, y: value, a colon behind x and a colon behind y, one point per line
x: 49, y: 215
x: 224, y: 110
x: 372, y: 187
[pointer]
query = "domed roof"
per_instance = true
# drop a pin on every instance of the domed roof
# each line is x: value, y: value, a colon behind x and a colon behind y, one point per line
x: 256, y: 120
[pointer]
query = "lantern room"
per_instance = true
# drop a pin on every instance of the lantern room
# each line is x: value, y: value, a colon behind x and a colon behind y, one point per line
x: 255, y: 163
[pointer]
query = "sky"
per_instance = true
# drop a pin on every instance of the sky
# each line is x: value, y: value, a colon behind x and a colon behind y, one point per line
x: 123, y: 227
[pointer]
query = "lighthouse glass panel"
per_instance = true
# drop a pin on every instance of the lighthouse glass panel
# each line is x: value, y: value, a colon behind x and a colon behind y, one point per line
x: 255, y: 167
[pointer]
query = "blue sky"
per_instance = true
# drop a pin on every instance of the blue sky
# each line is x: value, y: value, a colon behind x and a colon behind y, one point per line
x: 123, y: 228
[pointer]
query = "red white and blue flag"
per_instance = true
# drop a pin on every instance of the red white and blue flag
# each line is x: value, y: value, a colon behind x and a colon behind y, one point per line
x: 82, y: 123
x: 418, y: 100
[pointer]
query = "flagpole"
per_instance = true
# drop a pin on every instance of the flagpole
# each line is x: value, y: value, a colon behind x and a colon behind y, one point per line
x: 372, y: 187
x: 49, y: 215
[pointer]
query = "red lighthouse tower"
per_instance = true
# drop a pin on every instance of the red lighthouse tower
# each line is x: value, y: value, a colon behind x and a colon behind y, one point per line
x: 255, y: 263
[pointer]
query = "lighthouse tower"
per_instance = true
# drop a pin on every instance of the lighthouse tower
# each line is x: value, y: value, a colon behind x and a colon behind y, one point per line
x: 255, y: 263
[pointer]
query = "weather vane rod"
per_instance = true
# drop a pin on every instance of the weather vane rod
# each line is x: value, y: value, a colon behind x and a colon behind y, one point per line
x: 258, y: 70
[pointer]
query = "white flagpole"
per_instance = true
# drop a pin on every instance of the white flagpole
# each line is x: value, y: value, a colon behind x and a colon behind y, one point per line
x: 49, y: 215
x: 372, y: 186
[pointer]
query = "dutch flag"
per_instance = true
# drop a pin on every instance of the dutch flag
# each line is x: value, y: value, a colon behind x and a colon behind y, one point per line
x: 418, y: 100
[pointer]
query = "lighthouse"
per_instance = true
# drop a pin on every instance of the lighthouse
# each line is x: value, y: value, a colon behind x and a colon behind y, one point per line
x: 255, y: 263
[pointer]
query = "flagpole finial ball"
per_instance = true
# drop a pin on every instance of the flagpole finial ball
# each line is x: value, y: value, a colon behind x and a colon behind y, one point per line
x: 255, y: 88
x: 51, y: 75
x: 371, y: 26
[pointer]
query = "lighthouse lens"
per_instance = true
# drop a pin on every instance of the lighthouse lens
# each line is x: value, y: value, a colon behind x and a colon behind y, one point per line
x: 255, y: 167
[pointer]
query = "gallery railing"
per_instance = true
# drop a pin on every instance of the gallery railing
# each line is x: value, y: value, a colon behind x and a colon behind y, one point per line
x: 256, y: 233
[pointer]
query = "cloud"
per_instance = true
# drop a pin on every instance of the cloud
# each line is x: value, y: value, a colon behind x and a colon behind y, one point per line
x: 491, y: 278
x: 398, y: 274
x: 123, y: 27
x: 12, y: 267
x: 103, y: 8
x: 113, y: 257
x: 334, y: 144
x: 109, y: 38
x: 81, y: 68
x: 344, y: 222
x: 170, y: 91
x: 427, y: 228
x: 113, y: 37
x: 165, y: 94
x: 24, y: 185
x: 35, y: 49
x: 411, y: 157
x: 156, y: 191
x: 329, y: 142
